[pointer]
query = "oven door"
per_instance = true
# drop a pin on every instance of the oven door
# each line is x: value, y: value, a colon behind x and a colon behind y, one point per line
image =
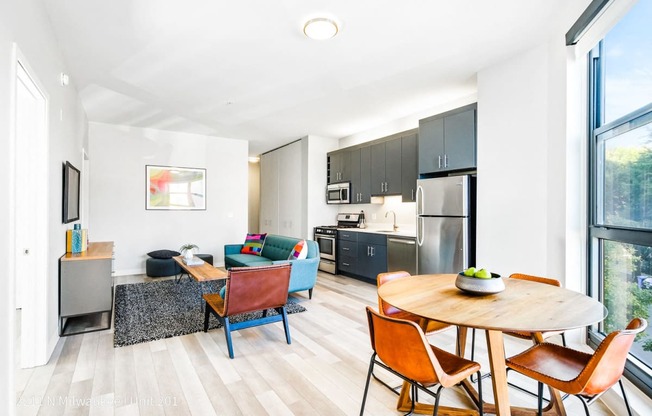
x: 326, y: 246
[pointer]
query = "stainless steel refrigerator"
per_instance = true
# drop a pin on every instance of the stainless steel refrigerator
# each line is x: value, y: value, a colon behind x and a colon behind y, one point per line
x: 445, y: 224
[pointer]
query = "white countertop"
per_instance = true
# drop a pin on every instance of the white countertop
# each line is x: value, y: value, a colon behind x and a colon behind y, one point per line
x: 386, y: 230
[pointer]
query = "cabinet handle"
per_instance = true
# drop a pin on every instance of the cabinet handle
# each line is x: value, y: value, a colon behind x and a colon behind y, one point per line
x: 386, y: 187
x: 413, y: 194
x: 445, y: 161
x: 439, y: 161
x: 345, y: 249
x: 345, y: 264
x: 372, y: 251
x: 381, y: 187
x: 368, y: 251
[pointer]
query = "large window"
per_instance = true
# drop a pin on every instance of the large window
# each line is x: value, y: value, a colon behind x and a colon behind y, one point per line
x: 620, y: 221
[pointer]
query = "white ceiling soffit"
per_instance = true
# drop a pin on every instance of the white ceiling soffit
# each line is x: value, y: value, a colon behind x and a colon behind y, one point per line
x: 245, y: 70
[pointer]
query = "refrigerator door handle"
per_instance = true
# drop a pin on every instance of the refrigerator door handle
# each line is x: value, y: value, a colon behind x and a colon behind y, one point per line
x: 419, y: 200
x: 419, y: 231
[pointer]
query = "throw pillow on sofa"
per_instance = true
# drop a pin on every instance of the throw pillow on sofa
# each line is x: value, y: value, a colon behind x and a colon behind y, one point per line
x: 253, y: 244
x: 163, y: 254
x: 300, y: 251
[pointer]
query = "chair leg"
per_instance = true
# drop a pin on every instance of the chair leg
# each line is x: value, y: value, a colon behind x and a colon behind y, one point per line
x: 286, y: 324
x: 435, y: 410
x: 227, y: 333
x: 481, y: 405
x: 309, y: 293
x: 207, y: 315
x: 622, y: 388
x: 540, y: 398
x: 586, y: 406
x: 366, y: 386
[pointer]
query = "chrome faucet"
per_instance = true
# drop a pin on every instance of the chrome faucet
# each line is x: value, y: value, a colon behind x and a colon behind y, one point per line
x: 395, y: 226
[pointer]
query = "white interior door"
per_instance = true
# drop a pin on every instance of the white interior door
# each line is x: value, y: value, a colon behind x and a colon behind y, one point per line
x: 27, y: 115
x: 31, y: 212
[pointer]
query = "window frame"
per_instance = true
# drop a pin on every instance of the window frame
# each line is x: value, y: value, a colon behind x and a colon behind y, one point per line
x: 640, y: 374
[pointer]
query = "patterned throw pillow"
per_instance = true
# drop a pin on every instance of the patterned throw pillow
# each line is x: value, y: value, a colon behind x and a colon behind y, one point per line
x: 254, y: 244
x: 300, y: 251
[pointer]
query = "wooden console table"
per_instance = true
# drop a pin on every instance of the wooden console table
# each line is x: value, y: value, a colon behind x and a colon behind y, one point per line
x: 86, y: 289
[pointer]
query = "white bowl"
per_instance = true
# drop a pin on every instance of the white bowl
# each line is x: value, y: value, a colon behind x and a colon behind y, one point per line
x: 478, y: 286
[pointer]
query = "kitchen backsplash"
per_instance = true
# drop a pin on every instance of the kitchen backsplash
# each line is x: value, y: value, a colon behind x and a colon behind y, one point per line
x: 375, y: 213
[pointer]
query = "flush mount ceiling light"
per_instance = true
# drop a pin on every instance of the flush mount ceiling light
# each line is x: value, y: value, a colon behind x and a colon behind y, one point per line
x: 320, y: 28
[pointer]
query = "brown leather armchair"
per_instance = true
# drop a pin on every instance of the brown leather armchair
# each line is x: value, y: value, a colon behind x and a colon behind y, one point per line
x: 401, y: 348
x: 251, y: 289
x: 578, y: 373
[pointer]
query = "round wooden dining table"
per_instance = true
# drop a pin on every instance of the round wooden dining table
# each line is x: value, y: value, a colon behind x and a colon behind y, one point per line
x: 522, y: 306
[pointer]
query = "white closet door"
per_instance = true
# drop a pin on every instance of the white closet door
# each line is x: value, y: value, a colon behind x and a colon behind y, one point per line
x: 269, y: 193
x: 290, y: 199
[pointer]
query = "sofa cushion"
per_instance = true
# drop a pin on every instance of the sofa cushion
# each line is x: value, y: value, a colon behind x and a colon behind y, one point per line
x: 300, y: 251
x: 244, y: 260
x: 253, y: 244
x: 163, y: 254
x: 278, y: 247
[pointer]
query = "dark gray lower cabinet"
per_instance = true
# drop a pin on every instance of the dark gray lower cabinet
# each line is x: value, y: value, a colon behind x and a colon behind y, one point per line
x: 361, y: 254
x: 372, y: 255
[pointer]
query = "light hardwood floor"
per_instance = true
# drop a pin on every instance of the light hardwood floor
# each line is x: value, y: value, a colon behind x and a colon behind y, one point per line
x: 321, y: 373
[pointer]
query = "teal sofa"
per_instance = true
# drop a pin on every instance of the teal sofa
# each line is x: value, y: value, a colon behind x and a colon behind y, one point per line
x: 276, y: 250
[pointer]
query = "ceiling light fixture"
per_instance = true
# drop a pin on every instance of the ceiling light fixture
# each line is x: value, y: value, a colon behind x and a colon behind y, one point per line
x: 320, y: 28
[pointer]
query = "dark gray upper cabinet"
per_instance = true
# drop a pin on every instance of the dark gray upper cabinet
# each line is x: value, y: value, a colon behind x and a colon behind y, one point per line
x: 339, y: 166
x: 361, y: 175
x: 409, y: 172
x: 447, y: 141
x: 386, y: 168
x: 365, y: 175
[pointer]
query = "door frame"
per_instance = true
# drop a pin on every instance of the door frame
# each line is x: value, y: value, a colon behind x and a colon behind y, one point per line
x: 34, y: 346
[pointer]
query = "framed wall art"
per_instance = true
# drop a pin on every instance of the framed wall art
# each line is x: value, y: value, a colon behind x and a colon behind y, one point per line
x: 175, y: 188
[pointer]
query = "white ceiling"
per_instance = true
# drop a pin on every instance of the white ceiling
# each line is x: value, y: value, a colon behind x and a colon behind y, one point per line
x: 244, y: 69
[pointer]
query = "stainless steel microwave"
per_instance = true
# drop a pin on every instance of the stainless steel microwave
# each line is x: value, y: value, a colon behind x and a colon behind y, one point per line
x: 338, y: 193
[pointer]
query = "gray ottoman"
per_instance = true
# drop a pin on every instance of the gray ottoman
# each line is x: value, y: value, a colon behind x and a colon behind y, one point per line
x: 208, y: 258
x: 162, y: 267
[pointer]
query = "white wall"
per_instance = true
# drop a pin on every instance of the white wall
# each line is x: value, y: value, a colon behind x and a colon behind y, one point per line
x: 254, y: 197
x: 522, y: 164
x: 318, y: 212
x: 25, y: 23
x: 118, y: 156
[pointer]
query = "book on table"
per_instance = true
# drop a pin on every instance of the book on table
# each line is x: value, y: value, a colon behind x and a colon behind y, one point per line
x: 195, y: 261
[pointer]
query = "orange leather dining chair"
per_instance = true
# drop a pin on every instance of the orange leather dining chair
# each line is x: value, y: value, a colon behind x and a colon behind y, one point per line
x: 527, y: 335
x: 428, y: 326
x: 584, y: 375
x: 543, y: 335
x: 401, y: 347
x: 251, y: 289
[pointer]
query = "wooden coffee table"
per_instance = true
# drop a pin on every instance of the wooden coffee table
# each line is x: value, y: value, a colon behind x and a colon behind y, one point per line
x: 201, y: 273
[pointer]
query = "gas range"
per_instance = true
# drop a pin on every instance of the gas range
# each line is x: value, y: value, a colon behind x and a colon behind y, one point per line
x: 326, y: 237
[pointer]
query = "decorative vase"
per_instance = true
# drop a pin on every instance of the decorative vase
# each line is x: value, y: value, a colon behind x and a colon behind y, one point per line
x: 188, y: 254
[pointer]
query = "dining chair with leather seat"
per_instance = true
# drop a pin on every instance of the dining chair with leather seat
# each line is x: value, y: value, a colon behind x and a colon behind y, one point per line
x: 522, y: 334
x: 251, y: 289
x: 584, y: 375
x: 428, y: 326
x: 400, y: 346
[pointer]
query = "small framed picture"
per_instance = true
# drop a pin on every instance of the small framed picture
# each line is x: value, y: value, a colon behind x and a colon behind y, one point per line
x: 175, y: 188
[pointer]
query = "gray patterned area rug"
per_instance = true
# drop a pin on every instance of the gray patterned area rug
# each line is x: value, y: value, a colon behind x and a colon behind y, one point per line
x: 150, y: 311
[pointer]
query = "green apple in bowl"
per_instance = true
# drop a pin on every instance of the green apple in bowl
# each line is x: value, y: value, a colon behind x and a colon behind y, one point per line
x: 482, y: 274
x: 469, y: 272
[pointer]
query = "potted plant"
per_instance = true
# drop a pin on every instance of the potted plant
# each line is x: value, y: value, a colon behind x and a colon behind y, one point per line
x: 187, y: 250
